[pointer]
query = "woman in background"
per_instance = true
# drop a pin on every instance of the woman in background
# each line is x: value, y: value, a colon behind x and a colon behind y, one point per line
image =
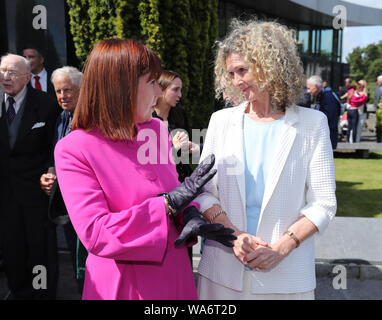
x: 362, y: 111
x: 176, y: 121
x: 356, y: 98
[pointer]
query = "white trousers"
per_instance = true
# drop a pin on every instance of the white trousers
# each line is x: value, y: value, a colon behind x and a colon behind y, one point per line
x: 209, y: 290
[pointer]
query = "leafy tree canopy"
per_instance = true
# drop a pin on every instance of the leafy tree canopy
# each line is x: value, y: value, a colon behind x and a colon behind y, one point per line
x: 366, y: 63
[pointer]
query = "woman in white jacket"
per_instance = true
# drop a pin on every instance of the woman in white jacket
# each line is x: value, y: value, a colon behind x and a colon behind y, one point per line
x: 275, y: 183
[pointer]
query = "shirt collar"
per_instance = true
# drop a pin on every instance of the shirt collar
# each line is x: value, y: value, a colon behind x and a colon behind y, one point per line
x: 18, y: 98
x: 42, y: 74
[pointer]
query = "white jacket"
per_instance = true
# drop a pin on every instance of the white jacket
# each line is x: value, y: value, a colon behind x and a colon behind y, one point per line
x: 301, y: 182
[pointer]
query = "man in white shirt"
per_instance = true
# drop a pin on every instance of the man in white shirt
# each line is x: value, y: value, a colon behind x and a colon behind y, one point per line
x: 40, y: 77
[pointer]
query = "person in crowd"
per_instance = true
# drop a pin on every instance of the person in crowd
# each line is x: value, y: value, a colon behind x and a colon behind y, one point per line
x: 348, y: 85
x: 362, y: 111
x: 176, y: 120
x: 341, y: 90
x: 40, y: 77
x: 326, y: 102
x: 305, y: 99
x: 120, y: 185
x: 378, y: 125
x: 275, y: 182
x: 355, y: 98
x: 66, y: 81
x: 378, y: 92
x: 325, y: 86
x: 26, y: 132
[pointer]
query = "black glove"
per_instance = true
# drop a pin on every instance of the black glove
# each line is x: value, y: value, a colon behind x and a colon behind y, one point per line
x: 181, y: 196
x: 196, y: 225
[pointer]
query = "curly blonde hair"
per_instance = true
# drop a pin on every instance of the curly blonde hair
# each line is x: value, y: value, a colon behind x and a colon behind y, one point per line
x: 271, y: 52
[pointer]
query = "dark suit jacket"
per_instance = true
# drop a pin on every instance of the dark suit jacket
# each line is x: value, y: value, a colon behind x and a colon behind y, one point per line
x: 330, y: 106
x: 22, y: 167
x: 50, y: 87
x: 57, y: 212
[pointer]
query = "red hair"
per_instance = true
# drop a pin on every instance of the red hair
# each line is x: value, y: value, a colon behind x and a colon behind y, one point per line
x: 108, y: 93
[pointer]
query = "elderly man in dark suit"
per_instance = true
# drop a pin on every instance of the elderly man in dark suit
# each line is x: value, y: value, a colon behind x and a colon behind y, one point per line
x: 66, y: 81
x: 26, y: 132
x: 326, y: 102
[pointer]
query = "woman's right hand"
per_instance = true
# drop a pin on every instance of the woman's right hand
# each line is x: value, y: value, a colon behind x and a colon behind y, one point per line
x: 180, y: 140
x: 181, y: 196
x: 246, y: 243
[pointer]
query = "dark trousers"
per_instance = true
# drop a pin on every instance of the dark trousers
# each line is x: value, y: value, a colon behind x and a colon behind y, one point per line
x: 352, y: 124
x: 379, y: 133
x: 334, y: 137
x: 29, y: 247
x: 71, y: 240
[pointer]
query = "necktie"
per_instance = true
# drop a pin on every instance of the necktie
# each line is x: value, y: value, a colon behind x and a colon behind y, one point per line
x: 11, y: 113
x: 37, y: 84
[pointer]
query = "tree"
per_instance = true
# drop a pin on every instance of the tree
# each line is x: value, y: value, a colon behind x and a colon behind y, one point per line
x: 80, y: 27
x: 366, y: 63
x: 182, y: 34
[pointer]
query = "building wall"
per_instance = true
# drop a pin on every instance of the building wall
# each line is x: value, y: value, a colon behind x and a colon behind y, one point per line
x: 21, y: 27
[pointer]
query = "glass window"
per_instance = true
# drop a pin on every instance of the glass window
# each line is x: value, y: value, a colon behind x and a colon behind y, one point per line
x: 303, y: 40
x: 326, y: 43
x: 314, y: 42
x: 339, y: 46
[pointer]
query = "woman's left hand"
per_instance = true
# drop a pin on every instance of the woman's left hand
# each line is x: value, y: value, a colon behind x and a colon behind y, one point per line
x: 193, y: 147
x: 265, y: 258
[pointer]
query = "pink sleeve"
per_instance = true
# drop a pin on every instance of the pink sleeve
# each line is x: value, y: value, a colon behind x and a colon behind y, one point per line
x: 138, y: 233
x: 360, y: 100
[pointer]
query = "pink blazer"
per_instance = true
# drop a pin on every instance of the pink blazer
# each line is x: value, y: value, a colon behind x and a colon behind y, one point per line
x: 112, y: 202
x: 357, y: 100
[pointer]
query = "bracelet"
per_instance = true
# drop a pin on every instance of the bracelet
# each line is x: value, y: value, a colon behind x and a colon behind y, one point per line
x: 216, y: 215
x: 293, y: 236
x: 171, y: 210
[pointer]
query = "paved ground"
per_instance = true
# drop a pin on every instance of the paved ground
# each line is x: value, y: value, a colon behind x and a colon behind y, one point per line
x: 356, y: 289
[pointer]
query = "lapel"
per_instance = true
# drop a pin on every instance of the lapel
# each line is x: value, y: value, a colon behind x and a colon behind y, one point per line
x: 29, y: 117
x: 1, y: 101
x: 288, y: 135
x: 4, y: 138
x: 236, y: 135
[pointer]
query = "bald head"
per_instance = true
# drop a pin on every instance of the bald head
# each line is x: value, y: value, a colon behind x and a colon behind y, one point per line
x: 15, y: 73
x: 20, y: 61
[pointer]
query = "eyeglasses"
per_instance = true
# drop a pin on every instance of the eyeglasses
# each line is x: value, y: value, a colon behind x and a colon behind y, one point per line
x: 11, y: 74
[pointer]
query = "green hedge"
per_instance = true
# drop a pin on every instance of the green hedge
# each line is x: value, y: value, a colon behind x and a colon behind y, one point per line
x: 182, y: 33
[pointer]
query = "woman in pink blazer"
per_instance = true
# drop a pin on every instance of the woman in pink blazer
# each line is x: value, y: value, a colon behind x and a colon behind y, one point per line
x: 113, y: 169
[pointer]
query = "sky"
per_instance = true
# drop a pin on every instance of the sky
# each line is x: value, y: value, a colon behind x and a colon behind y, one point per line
x: 361, y: 36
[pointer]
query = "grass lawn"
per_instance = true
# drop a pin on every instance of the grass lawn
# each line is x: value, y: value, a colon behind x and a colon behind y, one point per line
x: 359, y: 185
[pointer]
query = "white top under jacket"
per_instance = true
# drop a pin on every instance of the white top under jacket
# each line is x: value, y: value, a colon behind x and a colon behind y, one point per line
x: 301, y: 182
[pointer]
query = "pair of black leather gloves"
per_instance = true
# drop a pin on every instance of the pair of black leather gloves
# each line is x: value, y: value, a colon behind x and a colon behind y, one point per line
x: 194, y: 223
